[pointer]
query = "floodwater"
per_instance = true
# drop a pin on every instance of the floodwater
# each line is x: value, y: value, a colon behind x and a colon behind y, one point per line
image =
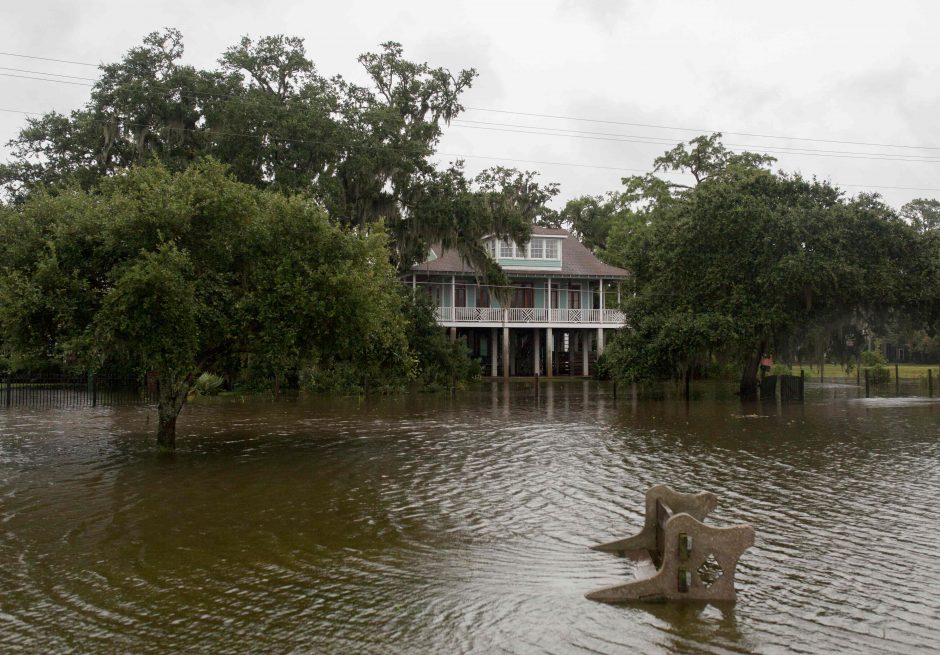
x: 431, y: 524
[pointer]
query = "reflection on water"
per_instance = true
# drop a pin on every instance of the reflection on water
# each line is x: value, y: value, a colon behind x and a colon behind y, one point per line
x: 432, y: 524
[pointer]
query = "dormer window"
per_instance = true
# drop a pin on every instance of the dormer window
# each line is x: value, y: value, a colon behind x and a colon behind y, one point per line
x: 538, y: 248
x: 551, y: 248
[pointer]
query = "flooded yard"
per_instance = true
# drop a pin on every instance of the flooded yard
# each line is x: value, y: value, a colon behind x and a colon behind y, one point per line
x: 432, y: 524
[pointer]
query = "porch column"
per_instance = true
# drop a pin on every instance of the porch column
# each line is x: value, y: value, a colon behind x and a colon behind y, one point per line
x: 505, y: 351
x: 535, y: 352
x: 453, y: 334
x: 414, y: 283
x: 585, y: 337
x: 494, y: 352
x: 602, y: 302
x: 548, y: 298
x: 600, y: 341
x: 453, y: 298
x: 572, y: 341
x: 549, y: 355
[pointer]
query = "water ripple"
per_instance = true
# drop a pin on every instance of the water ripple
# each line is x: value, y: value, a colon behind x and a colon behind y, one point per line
x: 431, y: 524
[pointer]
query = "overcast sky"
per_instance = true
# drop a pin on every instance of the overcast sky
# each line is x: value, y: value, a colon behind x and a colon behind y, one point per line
x: 860, y: 72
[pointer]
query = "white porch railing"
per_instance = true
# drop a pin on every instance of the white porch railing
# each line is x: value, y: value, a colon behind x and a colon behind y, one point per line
x: 518, y: 315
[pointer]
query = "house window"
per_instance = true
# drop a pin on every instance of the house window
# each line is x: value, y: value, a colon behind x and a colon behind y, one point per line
x: 460, y: 296
x: 551, y: 249
x: 537, y: 248
x: 491, y: 248
x: 505, y: 249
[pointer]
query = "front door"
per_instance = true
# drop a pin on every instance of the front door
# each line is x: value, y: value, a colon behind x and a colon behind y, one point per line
x: 523, y: 295
x: 574, y: 296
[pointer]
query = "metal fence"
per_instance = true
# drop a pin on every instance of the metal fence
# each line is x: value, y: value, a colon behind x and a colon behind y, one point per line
x: 75, y: 390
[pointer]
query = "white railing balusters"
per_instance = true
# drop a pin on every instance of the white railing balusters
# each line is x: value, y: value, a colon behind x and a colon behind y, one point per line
x: 530, y: 315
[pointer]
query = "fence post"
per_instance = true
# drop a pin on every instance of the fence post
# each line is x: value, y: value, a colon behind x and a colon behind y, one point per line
x: 930, y: 381
x: 802, y: 382
x: 866, y: 383
x: 897, y: 378
x: 9, y: 393
x: 92, y: 391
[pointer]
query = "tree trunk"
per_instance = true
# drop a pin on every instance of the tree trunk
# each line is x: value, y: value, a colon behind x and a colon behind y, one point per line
x: 748, y: 388
x: 173, y: 392
x: 166, y: 431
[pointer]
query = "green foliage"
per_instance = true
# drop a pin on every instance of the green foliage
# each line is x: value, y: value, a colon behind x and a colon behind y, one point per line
x: 747, y: 261
x: 191, y: 271
x: 363, y: 151
x: 441, y: 363
x: 923, y: 214
x: 590, y: 218
x: 874, y: 363
x: 207, y: 384
x: 873, y: 358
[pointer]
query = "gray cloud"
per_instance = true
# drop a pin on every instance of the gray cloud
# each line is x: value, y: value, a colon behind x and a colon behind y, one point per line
x: 837, y: 70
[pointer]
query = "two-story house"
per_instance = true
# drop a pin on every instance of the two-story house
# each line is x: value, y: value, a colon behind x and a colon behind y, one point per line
x: 553, y: 325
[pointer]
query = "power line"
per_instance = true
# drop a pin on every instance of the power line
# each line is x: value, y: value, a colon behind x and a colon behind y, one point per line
x: 45, y: 79
x: 601, y: 120
x: 450, y: 154
x: 639, y: 138
x: 699, y: 130
x: 483, y: 125
x: 23, y: 70
x: 61, y: 61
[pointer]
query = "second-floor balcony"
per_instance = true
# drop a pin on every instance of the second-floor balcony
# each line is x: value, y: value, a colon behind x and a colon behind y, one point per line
x: 529, y: 315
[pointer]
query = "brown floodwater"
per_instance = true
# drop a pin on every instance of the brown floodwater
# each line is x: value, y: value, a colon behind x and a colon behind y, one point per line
x: 431, y: 524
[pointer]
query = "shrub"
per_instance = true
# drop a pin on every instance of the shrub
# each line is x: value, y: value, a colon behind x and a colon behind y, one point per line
x: 207, y: 384
x: 875, y: 364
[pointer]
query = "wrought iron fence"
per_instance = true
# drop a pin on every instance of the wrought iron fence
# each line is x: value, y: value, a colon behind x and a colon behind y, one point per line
x: 77, y: 390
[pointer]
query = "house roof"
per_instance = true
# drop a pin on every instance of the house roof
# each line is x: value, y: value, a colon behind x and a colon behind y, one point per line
x: 576, y: 261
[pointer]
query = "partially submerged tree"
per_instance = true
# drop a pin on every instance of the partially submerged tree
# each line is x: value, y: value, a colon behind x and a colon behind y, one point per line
x: 179, y: 273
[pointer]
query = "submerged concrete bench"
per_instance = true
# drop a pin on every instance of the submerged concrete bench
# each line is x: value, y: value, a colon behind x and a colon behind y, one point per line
x: 678, y: 557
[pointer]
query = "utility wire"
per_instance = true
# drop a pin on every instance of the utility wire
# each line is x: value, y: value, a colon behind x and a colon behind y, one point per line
x: 45, y: 79
x: 640, y: 138
x: 599, y: 120
x: 699, y: 130
x: 731, y: 146
x: 61, y: 61
x: 535, y: 130
x: 620, y: 169
x: 23, y: 70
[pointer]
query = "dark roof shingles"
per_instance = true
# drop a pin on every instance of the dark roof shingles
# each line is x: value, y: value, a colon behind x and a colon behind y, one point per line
x: 576, y: 260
